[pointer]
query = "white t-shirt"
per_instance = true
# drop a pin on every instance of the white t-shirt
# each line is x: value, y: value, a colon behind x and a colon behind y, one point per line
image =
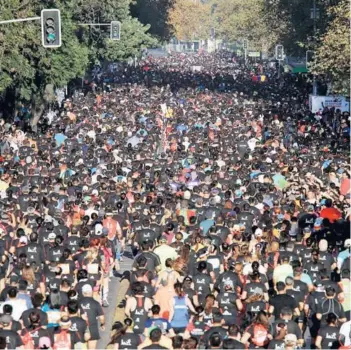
x: 345, y: 330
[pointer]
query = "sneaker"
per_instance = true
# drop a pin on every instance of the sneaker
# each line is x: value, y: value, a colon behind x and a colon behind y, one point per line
x: 105, y: 303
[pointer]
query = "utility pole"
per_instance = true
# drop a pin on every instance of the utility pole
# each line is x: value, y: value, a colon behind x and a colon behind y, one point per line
x: 314, y: 91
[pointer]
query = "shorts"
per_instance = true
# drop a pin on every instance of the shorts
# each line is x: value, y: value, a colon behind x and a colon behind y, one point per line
x: 94, y: 332
x: 178, y: 330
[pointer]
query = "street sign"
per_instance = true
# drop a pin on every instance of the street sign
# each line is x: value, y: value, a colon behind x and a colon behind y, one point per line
x: 254, y: 54
x: 279, y: 52
x: 51, y: 28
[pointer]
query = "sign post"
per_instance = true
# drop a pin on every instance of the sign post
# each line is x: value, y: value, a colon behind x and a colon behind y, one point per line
x: 245, y: 45
x: 279, y: 56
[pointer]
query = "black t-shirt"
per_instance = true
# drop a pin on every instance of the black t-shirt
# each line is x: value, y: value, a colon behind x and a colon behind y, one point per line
x: 276, y: 344
x: 43, y: 317
x: 280, y: 301
x: 202, y: 283
x: 255, y: 288
x: 13, y: 340
x: 152, y: 260
x: 129, y: 341
x: 36, y: 334
x: 92, y: 308
x: 292, y: 328
x: 77, y: 329
x: 154, y: 346
x: 330, y: 337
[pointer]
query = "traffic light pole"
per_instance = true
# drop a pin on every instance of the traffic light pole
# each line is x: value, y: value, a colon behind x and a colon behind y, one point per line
x: 21, y: 20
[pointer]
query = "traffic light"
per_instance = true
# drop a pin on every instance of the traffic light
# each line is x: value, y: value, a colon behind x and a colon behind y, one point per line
x: 245, y: 44
x: 279, y: 52
x: 51, y: 28
x: 115, y: 30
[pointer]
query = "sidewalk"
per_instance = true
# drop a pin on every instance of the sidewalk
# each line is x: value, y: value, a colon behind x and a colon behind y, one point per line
x: 116, y: 295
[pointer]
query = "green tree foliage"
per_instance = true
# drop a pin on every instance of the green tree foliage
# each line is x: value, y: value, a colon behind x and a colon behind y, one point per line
x: 29, y: 70
x: 191, y: 19
x: 155, y: 13
x: 333, y: 55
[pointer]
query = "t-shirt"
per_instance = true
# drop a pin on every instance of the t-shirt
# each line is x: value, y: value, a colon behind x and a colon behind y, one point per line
x: 154, y: 346
x: 159, y: 322
x: 13, y: 340
x: 330, y: 337
x: 280, y: 301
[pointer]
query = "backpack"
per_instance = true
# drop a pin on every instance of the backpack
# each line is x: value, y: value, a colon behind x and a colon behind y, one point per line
x: 260, y: 337
x: 62, y: 341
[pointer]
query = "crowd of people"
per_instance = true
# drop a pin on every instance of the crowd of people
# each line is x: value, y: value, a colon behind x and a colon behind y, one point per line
x: 232, y: 197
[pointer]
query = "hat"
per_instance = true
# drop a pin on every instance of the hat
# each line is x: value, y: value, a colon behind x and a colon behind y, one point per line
x: 323, y: 245
x: 98, y: 229
x: 290, y: 338
x: 23, y: 239
x: 5, y: 319
x: 187, y: 279
x: 347, y: 243
x: 258, y: 232
x: 87, y: 288
x: 44, y: 343
x: 52, y: 236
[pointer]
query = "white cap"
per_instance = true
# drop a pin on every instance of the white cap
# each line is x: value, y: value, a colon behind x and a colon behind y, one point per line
x: 23, y: 239
x: 95, y: 192
x: 87, y: 289
x: 187, y: 195
x: 85, y: 188
x: 347, y: 243
x: 258, y: 232
x: 98, y: 229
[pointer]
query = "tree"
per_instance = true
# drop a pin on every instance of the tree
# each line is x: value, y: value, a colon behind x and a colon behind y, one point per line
x: 154, y: 13
x: 26, y: 66
x: 29, y: 72
x: 249, y: 19
x: 191, y: 19
x: 333, y: 55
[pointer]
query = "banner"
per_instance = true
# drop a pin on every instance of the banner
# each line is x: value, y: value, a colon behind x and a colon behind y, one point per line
x: 317, y: 103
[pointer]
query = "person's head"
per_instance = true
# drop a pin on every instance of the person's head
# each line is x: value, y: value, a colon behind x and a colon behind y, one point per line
x: 155, y: 310
x: 34, y: 319
x: 330, y: 292
x: 12, y: 293
x: 215, y: 341
x: 280, y: 287
x: 22, y: 286
x: 155, y: 335
x: 286, y: 313
x: 217, y: 317
x: 262, y: 318
x: 190, y: 344
x: 234, y: 332
x: 72, y: 307
x: 289, y: 282
x: 177, y: 342
x: 179, y: 290
x: 87, y: 290
x: 137, y: 288
x: 290, y: 341
x: 7, y: 309
x: 331, y: 319
x: 37, y: 300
